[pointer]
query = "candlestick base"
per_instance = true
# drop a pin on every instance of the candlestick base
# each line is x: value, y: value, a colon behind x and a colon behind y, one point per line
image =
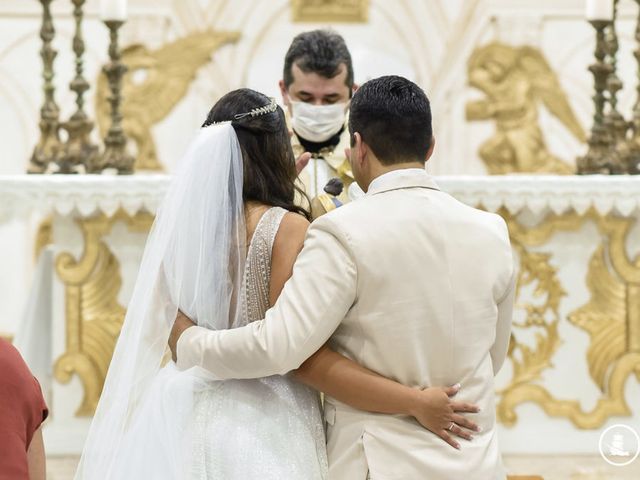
x: 114, y: 157
x: 632, y: 157
x: 49, y: 147
x: 599, y: 158
x: 79, y: 151
x: 617, y: 128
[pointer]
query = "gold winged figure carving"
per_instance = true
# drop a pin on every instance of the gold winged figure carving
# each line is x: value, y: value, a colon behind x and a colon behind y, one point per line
x: 516, y: 81
x: 154, y: 84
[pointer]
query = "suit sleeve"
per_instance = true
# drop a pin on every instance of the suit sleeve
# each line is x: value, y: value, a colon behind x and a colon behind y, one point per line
x: 503, y: 331
x: 505, y: 308
x: 312, y: 304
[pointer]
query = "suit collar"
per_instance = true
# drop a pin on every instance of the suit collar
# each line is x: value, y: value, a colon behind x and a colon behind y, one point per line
x: 404, y: 178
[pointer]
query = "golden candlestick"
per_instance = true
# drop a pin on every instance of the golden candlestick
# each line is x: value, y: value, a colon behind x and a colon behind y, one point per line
x: 115, y: 154
x: 49, y: 146
x: 598, y: 158
x: 614, y: 121
x: 79, y: 150
x: 633, y: 156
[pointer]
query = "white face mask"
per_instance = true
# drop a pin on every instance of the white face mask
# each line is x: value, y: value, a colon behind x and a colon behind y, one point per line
x: 317, y: 123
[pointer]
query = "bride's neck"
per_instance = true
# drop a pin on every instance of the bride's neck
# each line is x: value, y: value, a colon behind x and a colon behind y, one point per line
x: 253, y: 212
x: 254, y: 208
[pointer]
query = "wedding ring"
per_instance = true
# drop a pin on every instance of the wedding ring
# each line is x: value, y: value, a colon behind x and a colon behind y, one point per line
x: 450, y: 427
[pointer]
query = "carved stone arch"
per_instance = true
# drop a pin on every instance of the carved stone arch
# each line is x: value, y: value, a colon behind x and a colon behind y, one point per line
x: 264, y: 19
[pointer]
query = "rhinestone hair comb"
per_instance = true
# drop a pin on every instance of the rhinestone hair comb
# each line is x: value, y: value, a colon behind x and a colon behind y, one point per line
x: 256, y: 112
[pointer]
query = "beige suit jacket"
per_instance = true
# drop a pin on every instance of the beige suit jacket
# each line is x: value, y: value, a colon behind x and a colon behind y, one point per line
x: 410, y: 283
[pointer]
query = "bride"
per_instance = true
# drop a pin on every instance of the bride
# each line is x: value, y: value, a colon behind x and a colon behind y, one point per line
x: 222, y: 246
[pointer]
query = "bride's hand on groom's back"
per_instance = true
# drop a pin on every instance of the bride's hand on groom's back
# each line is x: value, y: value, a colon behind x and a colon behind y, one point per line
x: 436, y: 410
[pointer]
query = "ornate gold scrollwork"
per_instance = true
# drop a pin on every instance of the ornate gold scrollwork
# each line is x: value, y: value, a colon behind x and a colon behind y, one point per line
x: 93, y: 315
x: 330, y: 10
x: 611, y: 318
x: 44, y: 236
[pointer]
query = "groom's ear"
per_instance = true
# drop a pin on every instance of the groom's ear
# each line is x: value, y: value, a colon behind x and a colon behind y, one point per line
x: 433, y: 145
x: 360, y: 148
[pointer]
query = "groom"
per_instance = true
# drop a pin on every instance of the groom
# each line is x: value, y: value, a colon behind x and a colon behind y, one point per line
x: 406, y: 281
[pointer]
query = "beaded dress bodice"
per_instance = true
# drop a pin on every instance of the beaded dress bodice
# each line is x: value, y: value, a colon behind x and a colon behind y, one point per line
x: 257, y: 272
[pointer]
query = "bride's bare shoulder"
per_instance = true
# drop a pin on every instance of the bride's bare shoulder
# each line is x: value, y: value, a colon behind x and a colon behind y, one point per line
x: 286, y: 246
x: 291, y: 233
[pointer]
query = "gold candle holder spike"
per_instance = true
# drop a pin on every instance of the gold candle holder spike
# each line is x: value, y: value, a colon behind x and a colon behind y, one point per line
x: 79, y: 150
x: 598, y: 158
x: 633, y: 156
x: 115, y: 154
x: 49, y: 146
x: 614, y: 121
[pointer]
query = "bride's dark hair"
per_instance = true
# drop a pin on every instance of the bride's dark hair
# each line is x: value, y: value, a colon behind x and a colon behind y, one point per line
x: 268, y: 159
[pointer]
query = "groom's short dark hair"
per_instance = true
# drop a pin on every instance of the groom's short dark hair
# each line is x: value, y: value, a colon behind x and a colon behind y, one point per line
x: 393, y: 116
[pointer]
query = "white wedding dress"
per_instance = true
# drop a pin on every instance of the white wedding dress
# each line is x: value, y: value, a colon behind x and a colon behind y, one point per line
x: 157, y: 422
x: 266, y: 428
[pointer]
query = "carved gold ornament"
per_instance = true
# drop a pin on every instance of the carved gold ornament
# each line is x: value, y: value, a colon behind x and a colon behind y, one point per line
x: 515, y: 81
x: 330, y: 10
x: 93, y: 315
x: 322, y: 204
x: 611, y: 318
x: 44, y: 236
x: 156, y: 81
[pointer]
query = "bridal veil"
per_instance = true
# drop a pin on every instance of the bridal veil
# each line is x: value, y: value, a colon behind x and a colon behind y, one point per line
x: 193, y: 261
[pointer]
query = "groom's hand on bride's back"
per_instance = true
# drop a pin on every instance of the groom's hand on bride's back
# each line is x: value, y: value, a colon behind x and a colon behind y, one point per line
x: 436, y: 411
x: 180, y: 325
